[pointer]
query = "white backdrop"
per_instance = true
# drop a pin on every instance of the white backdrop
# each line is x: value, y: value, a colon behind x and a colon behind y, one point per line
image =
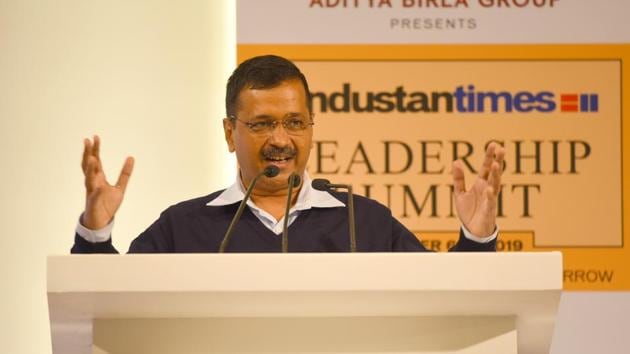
x: 149, y: 77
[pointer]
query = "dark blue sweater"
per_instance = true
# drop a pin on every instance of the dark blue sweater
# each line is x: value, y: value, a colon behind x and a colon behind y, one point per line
x: 191, y: 226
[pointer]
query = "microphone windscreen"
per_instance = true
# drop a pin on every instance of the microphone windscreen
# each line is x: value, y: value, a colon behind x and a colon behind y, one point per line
x: 271, y: 171
x: 296, y: 181
x: 320, y: 184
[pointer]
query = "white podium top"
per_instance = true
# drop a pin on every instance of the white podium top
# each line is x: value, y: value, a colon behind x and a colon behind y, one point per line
x: 524, y: 285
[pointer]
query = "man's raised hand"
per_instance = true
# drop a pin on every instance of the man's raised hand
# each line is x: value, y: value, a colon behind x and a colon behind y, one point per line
x: 102, y: 199
x: 477, y: 207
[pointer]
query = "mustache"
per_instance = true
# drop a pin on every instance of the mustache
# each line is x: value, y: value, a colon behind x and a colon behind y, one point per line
x: 274, y: 151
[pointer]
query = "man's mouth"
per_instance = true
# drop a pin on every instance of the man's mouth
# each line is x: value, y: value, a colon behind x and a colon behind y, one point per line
x: 278, y: 155
x: 278, y: 158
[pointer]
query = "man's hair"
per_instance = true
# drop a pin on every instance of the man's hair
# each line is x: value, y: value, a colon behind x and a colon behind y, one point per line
x: 262, y: 72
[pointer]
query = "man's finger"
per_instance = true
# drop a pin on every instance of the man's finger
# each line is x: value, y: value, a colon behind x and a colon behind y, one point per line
x: 125, y: 173
x: 90, y: 173
x: 87, y: 151
x: 96, y: 149
x: 499, y: 155
x: 459, y: 184
x: 491, y: 198
x: 495, y: 177
x: 487, y: 161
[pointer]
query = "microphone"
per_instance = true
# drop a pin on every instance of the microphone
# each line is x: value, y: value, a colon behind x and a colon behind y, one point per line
x: 324, y: 185
x: 294, y: 181
x: 269, y: 171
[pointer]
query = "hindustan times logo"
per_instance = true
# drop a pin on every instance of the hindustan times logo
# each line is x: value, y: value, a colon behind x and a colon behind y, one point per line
x: 463, y: 99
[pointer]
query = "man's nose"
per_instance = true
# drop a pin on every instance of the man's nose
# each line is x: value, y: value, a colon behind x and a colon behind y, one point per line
x: 279, y: 135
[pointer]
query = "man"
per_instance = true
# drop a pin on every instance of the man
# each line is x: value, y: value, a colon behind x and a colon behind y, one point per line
x: 270, y: 122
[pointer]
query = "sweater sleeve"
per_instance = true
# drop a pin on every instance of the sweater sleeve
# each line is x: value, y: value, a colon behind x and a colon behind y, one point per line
x: 83, y: 246
x: 404, y: 240
x: 93, y: 241
x: 157, y: 238
x: 467, y: 245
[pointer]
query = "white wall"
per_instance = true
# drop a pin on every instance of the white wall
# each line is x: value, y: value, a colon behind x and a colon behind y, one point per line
x: 149, y: 77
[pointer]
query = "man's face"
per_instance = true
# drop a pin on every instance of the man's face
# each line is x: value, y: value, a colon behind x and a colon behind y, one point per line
x: 287, y: 150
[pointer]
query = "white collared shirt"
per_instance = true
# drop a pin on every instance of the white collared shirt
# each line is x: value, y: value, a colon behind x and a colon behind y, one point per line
x: 307, y: 199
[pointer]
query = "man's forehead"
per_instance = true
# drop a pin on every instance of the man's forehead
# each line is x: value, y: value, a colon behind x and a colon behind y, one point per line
x: 289, y: 95
x: 294, y: 84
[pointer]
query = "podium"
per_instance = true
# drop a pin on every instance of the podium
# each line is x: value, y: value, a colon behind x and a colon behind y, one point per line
x: 304, y: 303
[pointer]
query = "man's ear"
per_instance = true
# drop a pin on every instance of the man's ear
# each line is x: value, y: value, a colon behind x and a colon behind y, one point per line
x: 228, y: 130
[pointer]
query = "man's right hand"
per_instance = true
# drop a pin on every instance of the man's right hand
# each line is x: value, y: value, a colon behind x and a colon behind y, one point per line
x: 102, y: 199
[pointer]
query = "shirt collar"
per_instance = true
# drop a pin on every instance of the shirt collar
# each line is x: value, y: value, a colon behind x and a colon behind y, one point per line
x: 307, y: 199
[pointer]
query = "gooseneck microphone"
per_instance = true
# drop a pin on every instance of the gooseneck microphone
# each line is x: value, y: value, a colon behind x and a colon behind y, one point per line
x: 324, y: 185
x: 294, y: 181
x: 269, y: 171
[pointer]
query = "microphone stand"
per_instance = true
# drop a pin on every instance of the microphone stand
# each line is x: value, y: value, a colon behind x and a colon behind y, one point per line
x: 353, y: 236
x: 294, y: 181
x: 269, y: 171
x: 321, y: 184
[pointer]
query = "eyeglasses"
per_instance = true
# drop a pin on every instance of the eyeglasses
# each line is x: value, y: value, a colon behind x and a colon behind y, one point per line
x: 293, y: 125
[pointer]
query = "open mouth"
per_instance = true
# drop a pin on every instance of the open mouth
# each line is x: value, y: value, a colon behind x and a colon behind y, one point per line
x: 278, y: 155
x: 278, y: 159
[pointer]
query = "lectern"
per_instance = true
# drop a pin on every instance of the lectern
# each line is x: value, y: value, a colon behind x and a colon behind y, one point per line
x: 304, y: 303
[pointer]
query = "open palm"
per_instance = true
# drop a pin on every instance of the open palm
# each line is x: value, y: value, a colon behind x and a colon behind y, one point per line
x: 102, y: 199
x: 477, y: 207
